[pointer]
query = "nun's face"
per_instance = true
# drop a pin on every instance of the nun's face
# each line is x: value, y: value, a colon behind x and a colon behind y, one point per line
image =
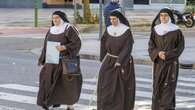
x: 164, y: 18
x: 114, y: 20
x: 56, y: 20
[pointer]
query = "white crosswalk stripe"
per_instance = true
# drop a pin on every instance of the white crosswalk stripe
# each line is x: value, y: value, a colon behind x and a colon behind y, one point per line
x: 9, y: 108
x: 185, y: 94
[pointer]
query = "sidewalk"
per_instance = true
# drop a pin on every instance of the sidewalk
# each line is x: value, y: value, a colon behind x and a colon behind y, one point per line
x: 91, y: 44
x: 140, y: 20
x: 25, y: 17
x: 17, y: 18
x: 91, y: 47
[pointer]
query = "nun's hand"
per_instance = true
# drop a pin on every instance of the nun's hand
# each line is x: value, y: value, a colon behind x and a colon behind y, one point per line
x: 161, y: 54
x: 61, y: 48
x: 163, y: 57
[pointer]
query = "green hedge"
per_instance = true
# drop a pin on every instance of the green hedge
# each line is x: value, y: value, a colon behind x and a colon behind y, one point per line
x: 190, y: 2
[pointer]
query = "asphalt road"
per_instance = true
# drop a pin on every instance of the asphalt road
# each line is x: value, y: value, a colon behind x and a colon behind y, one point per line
x: 19, y: 79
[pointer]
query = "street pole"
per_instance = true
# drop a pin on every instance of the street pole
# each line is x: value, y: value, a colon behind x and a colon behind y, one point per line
x: 75, y: 10
x: 100, y: 19
x: 36, y: 5
x: 123, y: 7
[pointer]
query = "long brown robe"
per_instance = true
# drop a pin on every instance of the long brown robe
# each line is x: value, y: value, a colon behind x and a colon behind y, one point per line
x: 165, y: 72
x: 116, y: 85
x: 55, y: 87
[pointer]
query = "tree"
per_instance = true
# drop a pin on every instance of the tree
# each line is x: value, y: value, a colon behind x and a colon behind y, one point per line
x: 87, y: 11
x: 88, y: 17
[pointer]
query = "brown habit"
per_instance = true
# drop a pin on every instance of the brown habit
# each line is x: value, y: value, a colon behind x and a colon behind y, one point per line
x: 54, y: 87
x: 116, y: 85
x: 165, y: 73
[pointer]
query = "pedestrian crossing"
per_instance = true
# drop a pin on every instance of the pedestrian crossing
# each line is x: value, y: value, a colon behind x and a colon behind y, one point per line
x: 185, y: 94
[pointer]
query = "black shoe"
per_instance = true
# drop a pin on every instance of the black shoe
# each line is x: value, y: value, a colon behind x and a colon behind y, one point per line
x: 46, y: 108
x: 68, y: 108
x: 56, y: 105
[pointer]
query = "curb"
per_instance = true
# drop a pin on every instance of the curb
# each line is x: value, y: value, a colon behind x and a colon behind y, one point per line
x: 136, y: 61
x: 83, y: 28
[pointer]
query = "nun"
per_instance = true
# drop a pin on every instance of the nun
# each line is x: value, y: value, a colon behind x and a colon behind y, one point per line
x: 56, y: 88
x: 166, y: 44
x: 116, y: 82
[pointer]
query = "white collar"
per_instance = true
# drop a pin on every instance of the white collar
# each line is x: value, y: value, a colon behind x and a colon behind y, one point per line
x: 59, y: 29
x: 163, y: 29
x: 118, y: 30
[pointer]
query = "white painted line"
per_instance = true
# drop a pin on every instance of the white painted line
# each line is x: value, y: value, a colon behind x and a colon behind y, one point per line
x: 17, y: 98
x: 149, y: 80
x: 142, y: 94
x: 35, y: 89
x: 93, y: 87
x: 89, y: 86
x: 143, y: 108
x: 143, y: 102
x: 143, y: 79
x: 90, y: 80
x: 186, y: 105
x: 88, y: 96
x: 80, y: 107
x: 20, y: 87
x: 149, y: 95
x: 29, y: 100
x: 9, y: 108
x: 186, y: 79
x: 186, y: 84
x: 147, y: 104
x: 32, y: 100
x: 149, y: 86
x: 179, y: 83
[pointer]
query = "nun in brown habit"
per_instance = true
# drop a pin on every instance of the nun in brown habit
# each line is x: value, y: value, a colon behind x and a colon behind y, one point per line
x: 166, y: 44
x: 56, y: 88
x: 116, y: 83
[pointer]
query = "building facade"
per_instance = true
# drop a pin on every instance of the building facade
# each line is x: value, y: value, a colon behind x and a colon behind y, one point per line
x: 17, y: 3
x: 127, y: 4
x: 60, y: 3
x: 152, y: 4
